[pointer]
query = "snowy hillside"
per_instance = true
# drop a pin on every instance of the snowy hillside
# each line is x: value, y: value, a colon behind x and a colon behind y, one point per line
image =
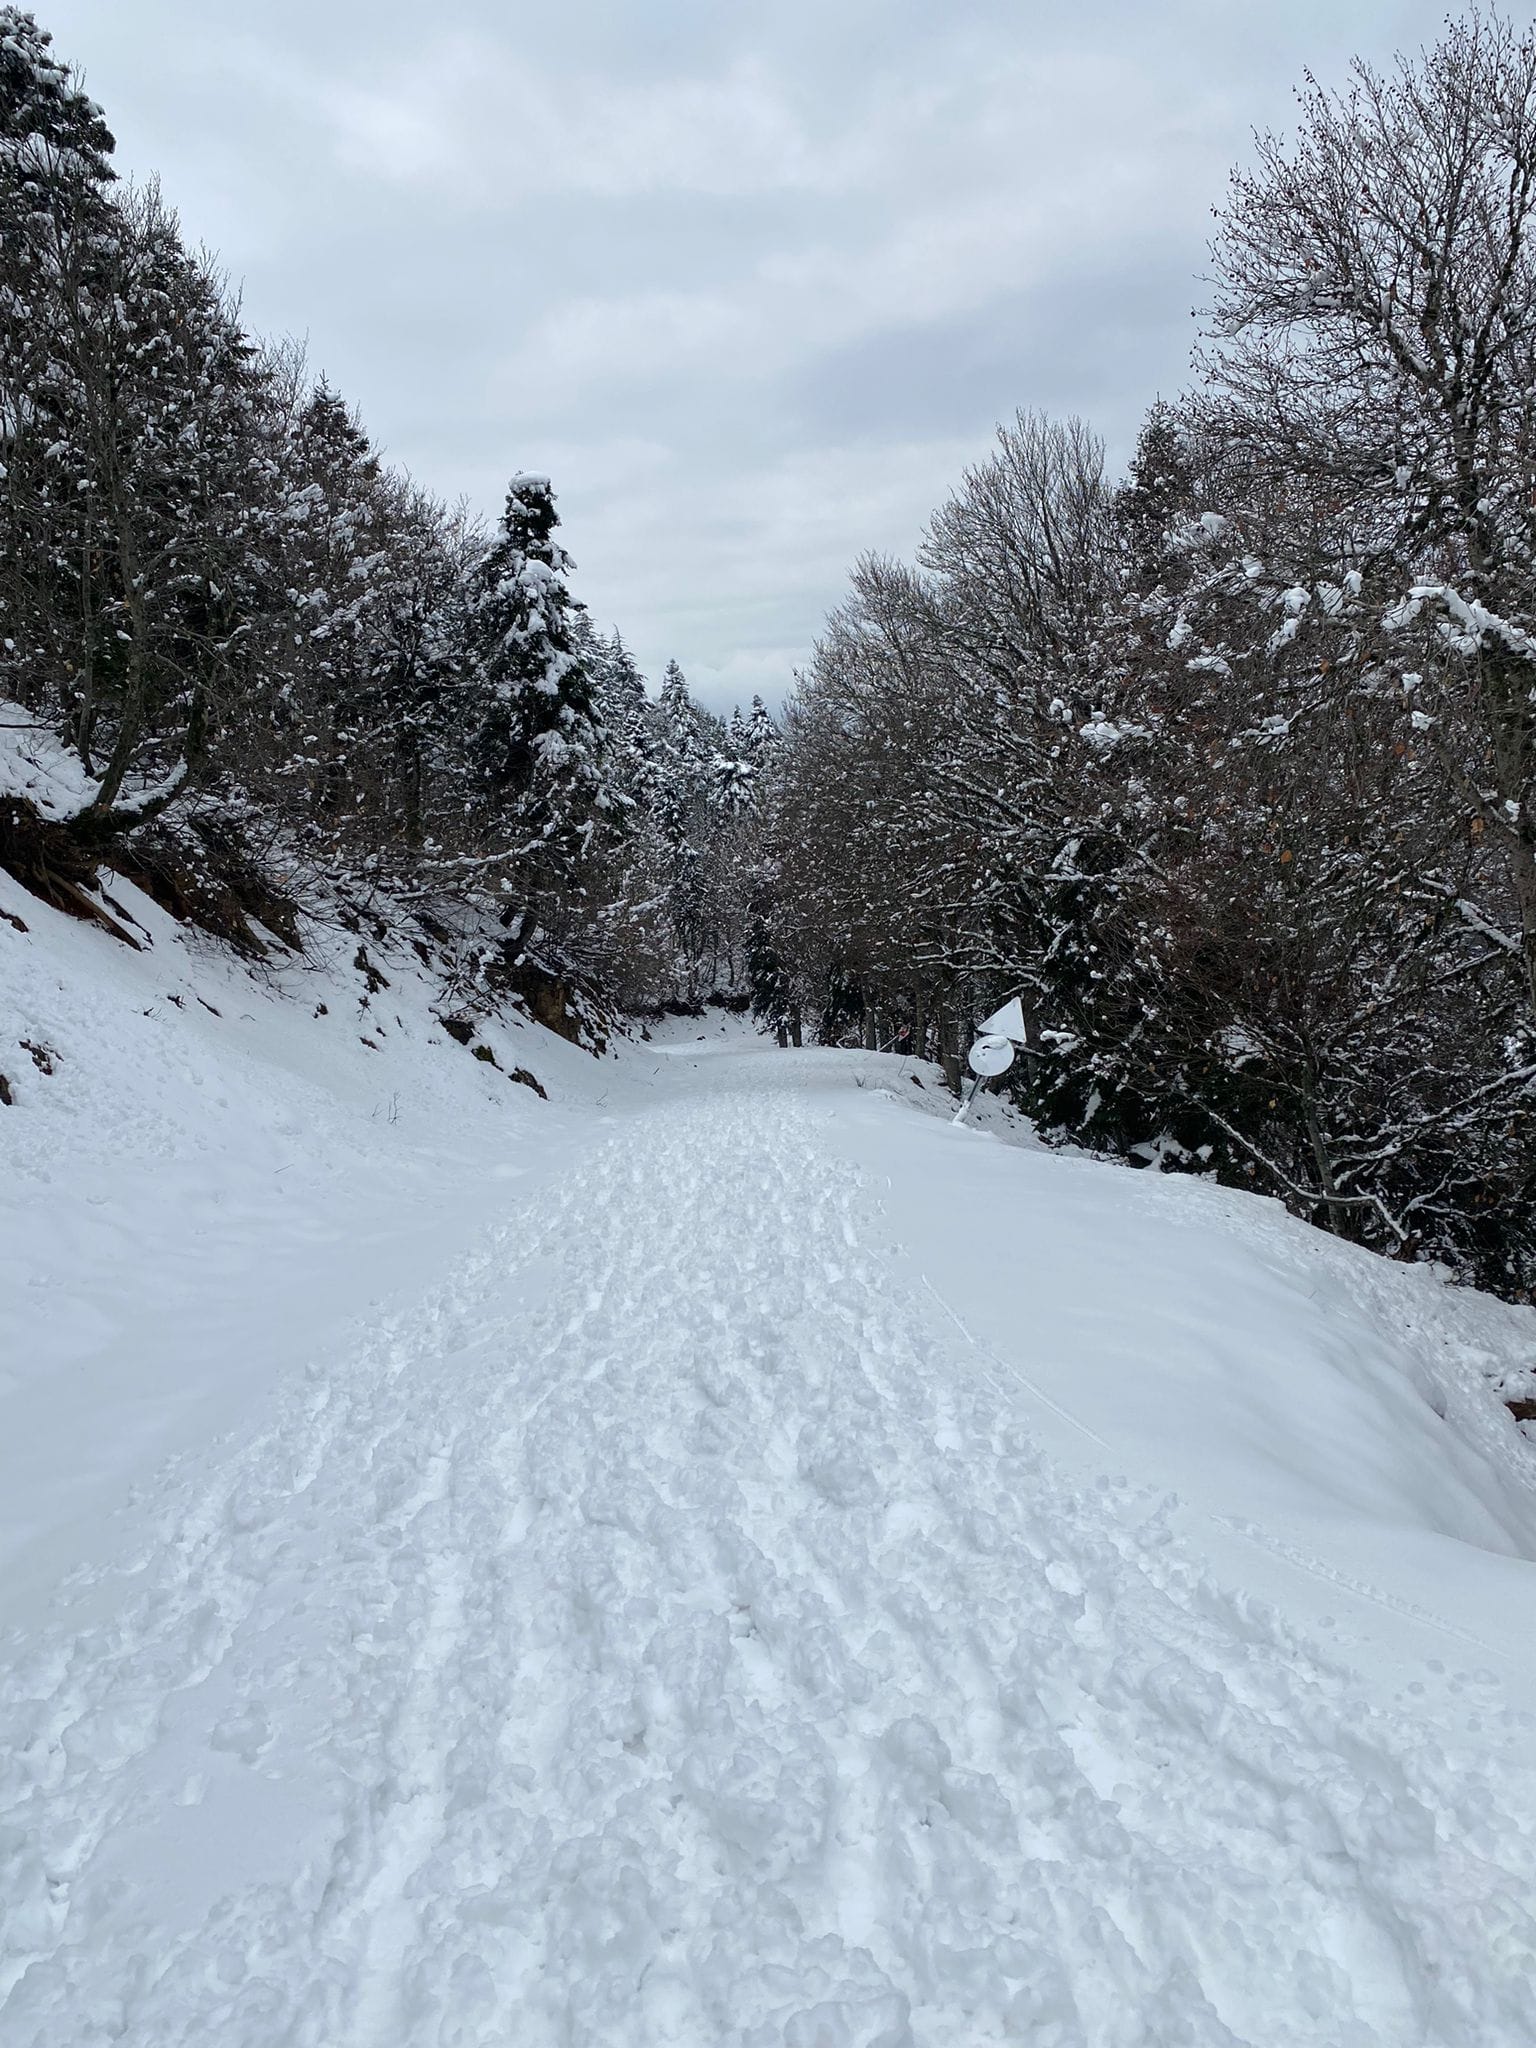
x: 718, y: 1555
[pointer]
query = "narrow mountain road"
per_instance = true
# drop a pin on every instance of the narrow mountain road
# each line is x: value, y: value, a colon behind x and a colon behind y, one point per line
x: 670, y: 1633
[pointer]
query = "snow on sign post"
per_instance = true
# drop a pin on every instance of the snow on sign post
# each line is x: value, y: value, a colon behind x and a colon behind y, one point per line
x: 991, y: 1054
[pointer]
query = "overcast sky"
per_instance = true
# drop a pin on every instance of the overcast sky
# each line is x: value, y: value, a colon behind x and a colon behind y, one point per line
x: 752, y: 283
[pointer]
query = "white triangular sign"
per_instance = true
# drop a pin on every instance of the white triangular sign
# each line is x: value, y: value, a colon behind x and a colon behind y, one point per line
x: 1008, y: 1022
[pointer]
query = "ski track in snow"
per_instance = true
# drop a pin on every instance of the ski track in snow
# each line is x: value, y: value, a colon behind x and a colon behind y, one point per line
x: 671, y: 1633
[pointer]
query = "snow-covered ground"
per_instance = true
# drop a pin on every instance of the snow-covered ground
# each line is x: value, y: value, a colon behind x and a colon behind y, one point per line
x: 718, y: 1557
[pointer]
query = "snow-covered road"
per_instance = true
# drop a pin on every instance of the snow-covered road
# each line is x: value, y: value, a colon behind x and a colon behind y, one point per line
x: 671, y: 1631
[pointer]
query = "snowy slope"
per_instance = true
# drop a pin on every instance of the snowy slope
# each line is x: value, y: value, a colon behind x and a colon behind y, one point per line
x: 210, y: 1181
x: 692, y: 1562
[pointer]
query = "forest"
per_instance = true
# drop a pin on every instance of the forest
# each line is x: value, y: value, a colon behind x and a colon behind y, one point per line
x: 1226, y: 765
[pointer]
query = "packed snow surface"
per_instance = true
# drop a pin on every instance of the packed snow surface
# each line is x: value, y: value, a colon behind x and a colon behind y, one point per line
x: 722, y: 1557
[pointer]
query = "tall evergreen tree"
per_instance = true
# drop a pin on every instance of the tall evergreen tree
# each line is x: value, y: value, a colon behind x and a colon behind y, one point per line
x: 538, y: 739
x: 762, y: 733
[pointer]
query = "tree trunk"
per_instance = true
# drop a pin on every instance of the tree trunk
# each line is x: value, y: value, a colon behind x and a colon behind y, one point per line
x: 85, y: 713
x: 1521, y: 854
x: 135, y: 686
x: 1508, y: 692
x: 1335, y: 1216
x: 949, y: 1054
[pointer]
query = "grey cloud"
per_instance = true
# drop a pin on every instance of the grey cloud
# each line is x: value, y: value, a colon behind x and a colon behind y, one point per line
x: 752, y: 284
x: 1081, y: 346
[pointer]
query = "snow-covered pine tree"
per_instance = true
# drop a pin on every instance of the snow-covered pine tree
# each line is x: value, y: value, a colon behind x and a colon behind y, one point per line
x: 359, y: 746
x: 762, y: 733
x: 1159, y: 488
x: 769, y: 984
x: 733, y: 782
x: 622, y: 686
x: 419, y: 665
x: 57, y: 228
x: 625, y: 712
x: 538, y: 739
x: 173, y: 400
x: 683, y: 764
x: 329, y: 547
x: 133, y: 463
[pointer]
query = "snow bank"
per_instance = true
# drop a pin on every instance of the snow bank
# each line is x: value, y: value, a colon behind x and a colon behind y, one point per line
x: 1330, y: 1420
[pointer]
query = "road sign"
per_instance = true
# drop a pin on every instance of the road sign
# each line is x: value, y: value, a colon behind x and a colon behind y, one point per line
x: 991, y: 1054
x: 1008, y: 1022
